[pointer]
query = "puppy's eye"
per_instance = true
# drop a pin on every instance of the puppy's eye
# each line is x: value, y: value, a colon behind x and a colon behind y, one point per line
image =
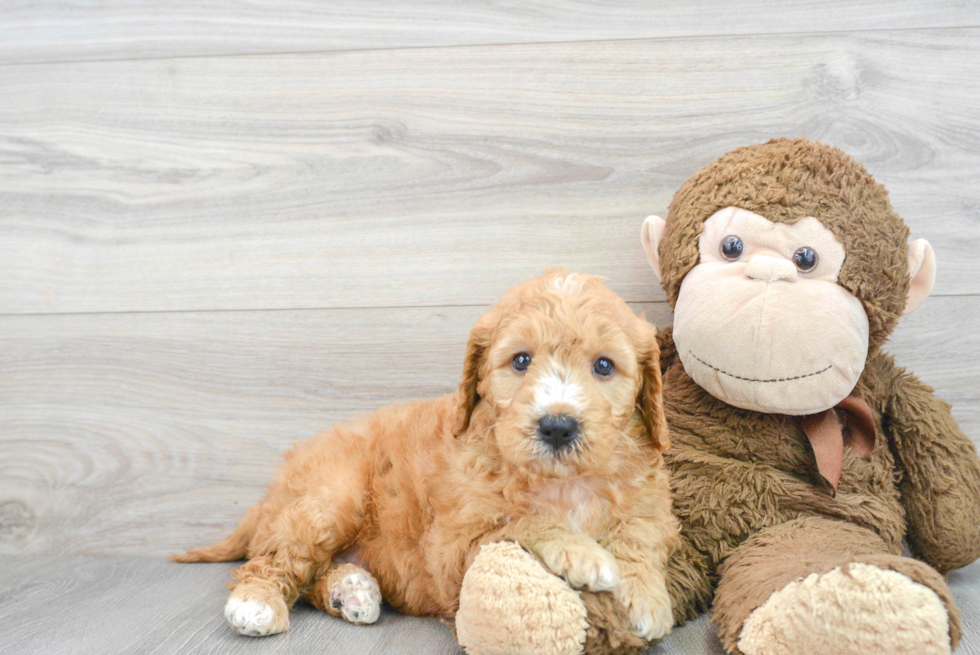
x: 603, y: 367
x: 521, y: 361
x: 805, y: 259
x: 731, y: 247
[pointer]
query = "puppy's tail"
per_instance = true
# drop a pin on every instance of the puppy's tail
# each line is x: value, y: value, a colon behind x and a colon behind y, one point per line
x: 229, y: 549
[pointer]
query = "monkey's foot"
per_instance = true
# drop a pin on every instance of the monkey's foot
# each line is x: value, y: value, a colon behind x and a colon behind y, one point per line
x: 511, y: 605
x: 855, y: 609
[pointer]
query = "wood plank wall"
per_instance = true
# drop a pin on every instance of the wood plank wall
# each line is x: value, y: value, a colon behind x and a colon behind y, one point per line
x: 224, y: 227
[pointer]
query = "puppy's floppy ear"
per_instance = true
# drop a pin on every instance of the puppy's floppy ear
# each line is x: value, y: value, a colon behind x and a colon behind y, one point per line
x: 650, y: 401
x: 476, y: 351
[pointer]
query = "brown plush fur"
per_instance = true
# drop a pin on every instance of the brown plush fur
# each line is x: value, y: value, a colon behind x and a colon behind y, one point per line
x: 411, y: 492
x: 737, y: 474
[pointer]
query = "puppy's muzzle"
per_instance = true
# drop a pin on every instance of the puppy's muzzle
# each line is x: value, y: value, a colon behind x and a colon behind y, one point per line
x: 558, y: 431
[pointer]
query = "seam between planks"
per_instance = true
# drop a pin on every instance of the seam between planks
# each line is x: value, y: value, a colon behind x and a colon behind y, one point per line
x: 340, y: 308
x: 515, y: 44
x: 277, y: 309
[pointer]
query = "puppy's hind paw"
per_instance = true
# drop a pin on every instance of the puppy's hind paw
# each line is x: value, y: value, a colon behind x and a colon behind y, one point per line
x: 582, y: 562
x: 357, y: 597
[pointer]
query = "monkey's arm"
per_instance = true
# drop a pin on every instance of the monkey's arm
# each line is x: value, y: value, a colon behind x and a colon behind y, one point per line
x: 688, y: 582
x: 941, y: 482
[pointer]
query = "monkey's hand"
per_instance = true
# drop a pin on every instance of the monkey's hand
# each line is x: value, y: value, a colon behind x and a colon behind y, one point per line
x: 941, y: 482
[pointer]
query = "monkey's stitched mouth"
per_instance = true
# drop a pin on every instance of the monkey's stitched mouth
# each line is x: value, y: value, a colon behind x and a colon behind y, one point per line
x: 739, y: 377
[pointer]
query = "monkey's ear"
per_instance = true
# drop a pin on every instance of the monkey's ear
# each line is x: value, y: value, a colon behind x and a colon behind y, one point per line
x: 476, y: 351
x: 922, y: 273
x: 650, y: 234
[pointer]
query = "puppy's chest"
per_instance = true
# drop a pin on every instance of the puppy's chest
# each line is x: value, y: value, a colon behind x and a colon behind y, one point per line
x: 573, y: 503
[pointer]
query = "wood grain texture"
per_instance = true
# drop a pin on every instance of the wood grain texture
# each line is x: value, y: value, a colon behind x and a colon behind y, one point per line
x: 132, y: 434
x: 121, y: 606
x: 73, y: 30
x: 125, y: 605
x: 425, y: 177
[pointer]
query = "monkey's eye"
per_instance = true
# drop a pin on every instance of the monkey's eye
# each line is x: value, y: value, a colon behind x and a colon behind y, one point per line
x: 521, y: 361
x: 805, y: 259
x: 731, y: 247
x: 603, y: 367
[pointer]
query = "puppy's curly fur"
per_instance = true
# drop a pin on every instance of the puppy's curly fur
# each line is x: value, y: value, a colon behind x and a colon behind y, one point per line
x: 402, y: 500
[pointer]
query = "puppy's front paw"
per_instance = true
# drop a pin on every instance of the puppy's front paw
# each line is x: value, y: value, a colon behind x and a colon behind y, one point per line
x: 650, y: 612
x: 582, y: 562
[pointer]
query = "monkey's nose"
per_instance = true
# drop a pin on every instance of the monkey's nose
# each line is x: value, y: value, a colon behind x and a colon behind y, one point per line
x: 770, y: 269
x: 557, y: 431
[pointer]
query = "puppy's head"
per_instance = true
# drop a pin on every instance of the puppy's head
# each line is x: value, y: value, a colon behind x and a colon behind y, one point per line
x: 561, y: 378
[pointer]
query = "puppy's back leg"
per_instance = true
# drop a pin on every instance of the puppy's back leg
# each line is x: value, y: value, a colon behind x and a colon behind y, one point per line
x: 347, y: 591
x: 286, y: 552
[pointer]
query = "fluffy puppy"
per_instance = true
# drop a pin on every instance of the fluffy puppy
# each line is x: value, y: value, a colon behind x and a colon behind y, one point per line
x: 553, y: 440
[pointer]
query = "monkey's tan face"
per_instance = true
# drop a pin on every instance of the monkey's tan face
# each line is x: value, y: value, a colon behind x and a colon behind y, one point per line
x: 761, y: 322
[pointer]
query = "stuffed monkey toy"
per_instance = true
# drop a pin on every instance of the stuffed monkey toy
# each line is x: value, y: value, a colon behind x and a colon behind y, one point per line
x: 802, y: 454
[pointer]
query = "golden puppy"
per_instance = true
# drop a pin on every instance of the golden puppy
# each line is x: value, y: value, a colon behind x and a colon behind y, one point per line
x: 553, y: 440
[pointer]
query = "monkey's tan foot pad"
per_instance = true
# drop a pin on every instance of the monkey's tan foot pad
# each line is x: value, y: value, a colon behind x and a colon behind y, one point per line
x: 856, y: 609
x: 511, y: 605
x: 256, y: 618
x: 357, y: 597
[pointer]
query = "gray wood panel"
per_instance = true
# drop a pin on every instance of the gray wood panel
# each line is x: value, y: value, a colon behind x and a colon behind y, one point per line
x: 125, y: 605
x: 72, y: 30
x: 425, y: 177
x: 127, y: 434
x: 122, y: 606
x: 164, y: 223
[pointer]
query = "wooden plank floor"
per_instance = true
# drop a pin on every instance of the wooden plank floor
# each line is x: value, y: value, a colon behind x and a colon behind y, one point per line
x: 69, y: 30
x: 279, y: 182
x: 225, y: 226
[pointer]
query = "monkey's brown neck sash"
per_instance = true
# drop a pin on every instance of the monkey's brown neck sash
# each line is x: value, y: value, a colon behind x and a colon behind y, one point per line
x: 850, y: 424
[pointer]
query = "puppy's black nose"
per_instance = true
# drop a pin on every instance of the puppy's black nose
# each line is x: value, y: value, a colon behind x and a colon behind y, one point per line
x: 557, y: 431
